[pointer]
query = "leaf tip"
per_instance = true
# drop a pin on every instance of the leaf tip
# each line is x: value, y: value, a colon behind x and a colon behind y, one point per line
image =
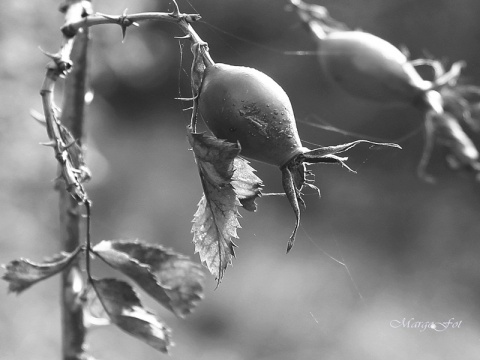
x: 290, y: 243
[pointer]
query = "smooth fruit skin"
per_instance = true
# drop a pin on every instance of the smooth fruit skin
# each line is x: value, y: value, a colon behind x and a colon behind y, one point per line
x: 369, y: 67
x: 245, y: 105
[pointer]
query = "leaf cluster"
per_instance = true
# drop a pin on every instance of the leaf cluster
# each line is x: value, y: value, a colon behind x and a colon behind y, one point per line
x: 171, y: 279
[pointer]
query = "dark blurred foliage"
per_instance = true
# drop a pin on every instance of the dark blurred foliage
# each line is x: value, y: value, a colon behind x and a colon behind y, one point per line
x: 411, y: 248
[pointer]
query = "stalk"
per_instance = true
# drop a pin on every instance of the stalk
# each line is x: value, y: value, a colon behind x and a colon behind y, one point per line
x: 73, y: 329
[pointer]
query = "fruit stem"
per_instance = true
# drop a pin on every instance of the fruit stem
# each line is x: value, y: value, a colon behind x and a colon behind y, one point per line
x: 317, y: 19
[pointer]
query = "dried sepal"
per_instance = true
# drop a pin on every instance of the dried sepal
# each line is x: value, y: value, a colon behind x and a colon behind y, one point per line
x: 294, y: 174
x: 445, y: 130
x: 293, y: 196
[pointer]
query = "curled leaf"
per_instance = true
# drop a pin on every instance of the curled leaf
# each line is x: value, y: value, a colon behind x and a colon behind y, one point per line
x: 246, y: 184
x: 170, y: 278
x: 23, y: 273
x: 124, y: 309
x: 216, y: 221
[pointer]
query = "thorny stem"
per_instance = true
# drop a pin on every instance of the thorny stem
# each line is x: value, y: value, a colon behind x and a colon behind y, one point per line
x: 68, y: 134
x: 68, y: 172
x: 182, y: 20
x: 65, y: 139
x: 199, y: 47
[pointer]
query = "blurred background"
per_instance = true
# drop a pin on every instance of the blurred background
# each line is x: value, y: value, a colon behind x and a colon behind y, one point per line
x: 410, y: 249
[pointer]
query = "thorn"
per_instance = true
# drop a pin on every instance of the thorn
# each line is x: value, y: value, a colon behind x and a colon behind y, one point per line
x: 61, y: 64
x: 186, y: 37
x: 125, y: 22
x: 40, y: 118
x: 176, y: 11
x: 51, y: 143
x: 187, y: 99
x: 187, y: 109
x: 107, y: 16
x: 54, y: 57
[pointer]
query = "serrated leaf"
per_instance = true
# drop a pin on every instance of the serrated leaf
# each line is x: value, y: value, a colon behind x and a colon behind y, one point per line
x: 215, y: 223
x: 124, y: 309
x: 246, y: 184
x: 170, y: 278
x: 23, y: 273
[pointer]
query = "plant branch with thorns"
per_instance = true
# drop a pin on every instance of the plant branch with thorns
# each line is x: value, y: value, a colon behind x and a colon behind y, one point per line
x: 170, y: 278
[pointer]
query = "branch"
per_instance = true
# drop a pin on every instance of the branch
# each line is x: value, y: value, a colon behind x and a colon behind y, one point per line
x: 202, y: 58
x: 59, y: 135
x: 65, y: 139
x: 182, y: 20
